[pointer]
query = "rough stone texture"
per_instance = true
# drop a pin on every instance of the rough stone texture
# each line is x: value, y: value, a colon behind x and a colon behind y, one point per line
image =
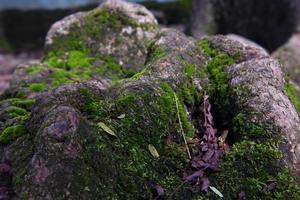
x: 55, y: 148
x: 8, y: 63
x: 289, y: 56
x: 247, y: 42
x: 234, y: 47
x: 268, y: 102
x: 269, y: 23
x: 139, y: 28
x: 57, y: 125
x: 258, y: 84
x: 62, y: 27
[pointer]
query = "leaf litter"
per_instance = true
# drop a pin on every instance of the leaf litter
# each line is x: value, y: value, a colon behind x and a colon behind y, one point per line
x: 206, y: 153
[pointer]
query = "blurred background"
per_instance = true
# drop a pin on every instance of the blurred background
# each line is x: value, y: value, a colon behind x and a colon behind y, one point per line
x: 269, y: 23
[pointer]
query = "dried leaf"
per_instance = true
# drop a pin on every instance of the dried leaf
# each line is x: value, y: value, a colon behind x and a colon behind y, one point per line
x: 205, y: 154
x: 4, y: 168
x: 106, y: 129
x: 216, y: 191
x: 242, y: 195
x: 195, y: 175
x: 205, y: 184
x: 208, y: 155
x: 121, y: 116
x: 160, y: 190
x: 153, y: 151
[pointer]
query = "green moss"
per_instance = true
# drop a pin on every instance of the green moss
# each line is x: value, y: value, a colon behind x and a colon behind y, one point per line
x: 23, y: 103
x: 128, y: 153
x: 218, y: 86
x: 11, y: 133
x: 292, y: 94
x: 61, y: 76
x: 79, y: 65
x: 35, y: 69
x: 186, y: 123
x: 184, y: 118
x: 250, y: 167
x: 54, y: 61
x: 190, y: 70
x: 78, y: 59
x: 126, y: 100
x: 96, y: 23
x: 156, y: 52
x: 254, y: 160
x: 37, y: 87
x: 92, y: 106
x: 16, y: 111
x: 72, y: 58
x: 244, y: 129
x: 166, y: 102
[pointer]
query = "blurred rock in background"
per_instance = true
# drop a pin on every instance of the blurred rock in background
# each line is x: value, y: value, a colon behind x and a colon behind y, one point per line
x: 24, y: 24
x: 289, y: 56
x: 269, y: 23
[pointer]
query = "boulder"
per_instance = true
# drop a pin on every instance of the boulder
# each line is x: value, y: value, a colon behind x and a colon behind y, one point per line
x: 137, y: 137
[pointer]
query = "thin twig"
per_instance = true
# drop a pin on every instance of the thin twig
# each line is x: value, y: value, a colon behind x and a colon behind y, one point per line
x: 181, y: 128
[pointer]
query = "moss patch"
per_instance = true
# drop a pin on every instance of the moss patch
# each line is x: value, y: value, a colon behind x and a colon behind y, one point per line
x: 37, y: 87
x: 11, y: 133
x: 292, y: 94
x: 16, y: 111
x: 23, y: 103
x: 253, y: 163
x: 218, y: 85
x: 128, y: 152
x: 35, y: 69
x: 169, y: 98
x: 16, y: 115
x: 250, y: 167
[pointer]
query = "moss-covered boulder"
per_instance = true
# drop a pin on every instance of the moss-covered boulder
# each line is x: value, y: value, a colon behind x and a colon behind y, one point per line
x: 115, y: 30
x: 131, y: 137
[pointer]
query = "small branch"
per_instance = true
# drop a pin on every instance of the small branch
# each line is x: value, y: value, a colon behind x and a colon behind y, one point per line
x: 181, y: 128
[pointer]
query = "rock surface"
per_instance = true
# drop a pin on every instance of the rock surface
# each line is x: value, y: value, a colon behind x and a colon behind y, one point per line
x: 9, y: 61
x: 289, y: 56
x: 76, y: 126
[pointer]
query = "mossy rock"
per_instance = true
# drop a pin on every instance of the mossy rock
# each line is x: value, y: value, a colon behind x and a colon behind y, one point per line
x: 87, y: 160
x: 118, y: 31
x: 123, y: 138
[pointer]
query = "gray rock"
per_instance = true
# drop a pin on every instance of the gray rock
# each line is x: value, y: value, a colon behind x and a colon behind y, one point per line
x: 289, y: 56
x: 248, y: 42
